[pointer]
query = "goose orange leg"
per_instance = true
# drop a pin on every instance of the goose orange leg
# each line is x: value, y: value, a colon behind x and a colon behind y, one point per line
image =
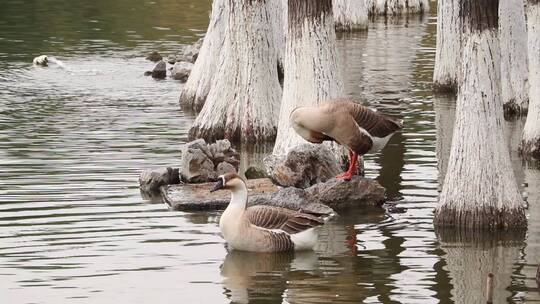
x: 353, y: 158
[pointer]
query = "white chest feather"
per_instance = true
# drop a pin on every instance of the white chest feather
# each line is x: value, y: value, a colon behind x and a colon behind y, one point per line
x: 232, y: 221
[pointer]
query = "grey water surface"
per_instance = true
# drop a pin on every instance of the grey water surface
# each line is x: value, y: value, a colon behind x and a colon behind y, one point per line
x: 73, y: 138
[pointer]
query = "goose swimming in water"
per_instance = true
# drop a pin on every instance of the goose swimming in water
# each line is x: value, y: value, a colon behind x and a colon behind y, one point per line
x: 264, y: 228
x: 360, y: 129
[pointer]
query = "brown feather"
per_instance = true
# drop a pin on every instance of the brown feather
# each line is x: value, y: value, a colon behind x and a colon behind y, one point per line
x: 376, y: 124
x: 270, y: 217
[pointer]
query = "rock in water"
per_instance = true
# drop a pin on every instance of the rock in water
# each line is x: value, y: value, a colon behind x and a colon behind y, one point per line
x: 151, y: 180
x: 181, y: 70
x: 160, y: 70
x: 172, y: 59
x: 323, y: 198
x: 303, y: 166
x: 154, y: 56
x: 41, y: 60
x: 193, y: 197
x: 254, y: 172
x: 224, y: 168
x: 192, y: 52
x: 197, y: 167
x: 538, y: 276
x: 340, y: 194
x: 292, y: 198
x: 202, y: 162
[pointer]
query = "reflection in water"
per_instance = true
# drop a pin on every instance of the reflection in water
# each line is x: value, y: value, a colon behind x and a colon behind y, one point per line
x: 527, y: 289
x: 471, y: 256
x: 253, y: 155
x: 390, y: 45
x: 392, y: 163
x: 253, y: 277
x: 512, y: 258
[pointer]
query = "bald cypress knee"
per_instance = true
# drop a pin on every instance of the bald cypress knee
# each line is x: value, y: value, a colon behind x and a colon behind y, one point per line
x: 243, y: 101
x: 530, y: 143
x: 479, y: 189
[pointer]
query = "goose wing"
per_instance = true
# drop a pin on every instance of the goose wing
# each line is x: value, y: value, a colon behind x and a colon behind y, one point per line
x: 374, y: 123
x: 348, y: 133
x: 270, y: 217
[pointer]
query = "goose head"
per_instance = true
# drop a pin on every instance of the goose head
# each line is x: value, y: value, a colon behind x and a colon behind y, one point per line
x: 229, y: 181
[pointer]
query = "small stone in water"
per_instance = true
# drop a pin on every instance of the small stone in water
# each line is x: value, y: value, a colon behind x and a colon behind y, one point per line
x: 181, y: 70
x: 160, y: 70
x: 154, y: 56
x: 254, y: 172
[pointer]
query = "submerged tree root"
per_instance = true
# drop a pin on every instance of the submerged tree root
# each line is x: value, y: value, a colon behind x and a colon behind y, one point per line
x: 451, y: 214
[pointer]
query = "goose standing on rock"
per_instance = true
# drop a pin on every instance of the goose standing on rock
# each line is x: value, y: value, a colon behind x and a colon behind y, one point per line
x: 264, y: 228
x: 362, y: 130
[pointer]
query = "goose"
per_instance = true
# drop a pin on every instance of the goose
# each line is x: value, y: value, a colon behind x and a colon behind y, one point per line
x: 263, y: 228
x: 362, y: 130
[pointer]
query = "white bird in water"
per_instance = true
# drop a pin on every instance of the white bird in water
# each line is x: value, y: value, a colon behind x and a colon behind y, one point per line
x: 360, y: 129
x: 264, y: 228
x: 42, y: 60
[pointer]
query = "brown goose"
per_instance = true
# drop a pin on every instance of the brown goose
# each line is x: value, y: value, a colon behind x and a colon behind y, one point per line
x: 264, y: 228
x: 360, y: 129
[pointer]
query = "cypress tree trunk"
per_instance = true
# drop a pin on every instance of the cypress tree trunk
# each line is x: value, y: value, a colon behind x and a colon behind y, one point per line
x: 243, y: 102
x: 311, y: 73
x: 480, y: 190
x: 390, y: 8
x: 196, y: 89
x: 530, y: 144
x: 350, y: 15
x: 448, y: 51
x: 513, y: 40
x: 445, y: 115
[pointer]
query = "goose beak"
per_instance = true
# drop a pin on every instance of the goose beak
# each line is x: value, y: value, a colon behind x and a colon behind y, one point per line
x: 218, y: 185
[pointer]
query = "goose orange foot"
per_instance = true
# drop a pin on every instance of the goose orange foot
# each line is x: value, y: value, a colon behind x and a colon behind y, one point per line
x: 345, y: 176
x: 353, y: 157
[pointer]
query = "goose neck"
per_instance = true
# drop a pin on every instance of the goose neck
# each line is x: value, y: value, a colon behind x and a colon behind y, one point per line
x: 239, y: 196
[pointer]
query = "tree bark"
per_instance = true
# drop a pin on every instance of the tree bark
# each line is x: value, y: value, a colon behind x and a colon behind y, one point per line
x: 350, y: 15
x: 480, y: 190
x: 530, y: 143
x: 279, y: 24
x: 195, y: 91
x: 391, y: 8
x: 445, y: 116
x: 311, y: 73
x: 448, y: 50
x: 243, y: 102
x: 513, y: 40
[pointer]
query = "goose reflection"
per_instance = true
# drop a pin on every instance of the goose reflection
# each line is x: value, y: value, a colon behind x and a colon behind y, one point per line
x: 249, y: 276
x: 471, y: 255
